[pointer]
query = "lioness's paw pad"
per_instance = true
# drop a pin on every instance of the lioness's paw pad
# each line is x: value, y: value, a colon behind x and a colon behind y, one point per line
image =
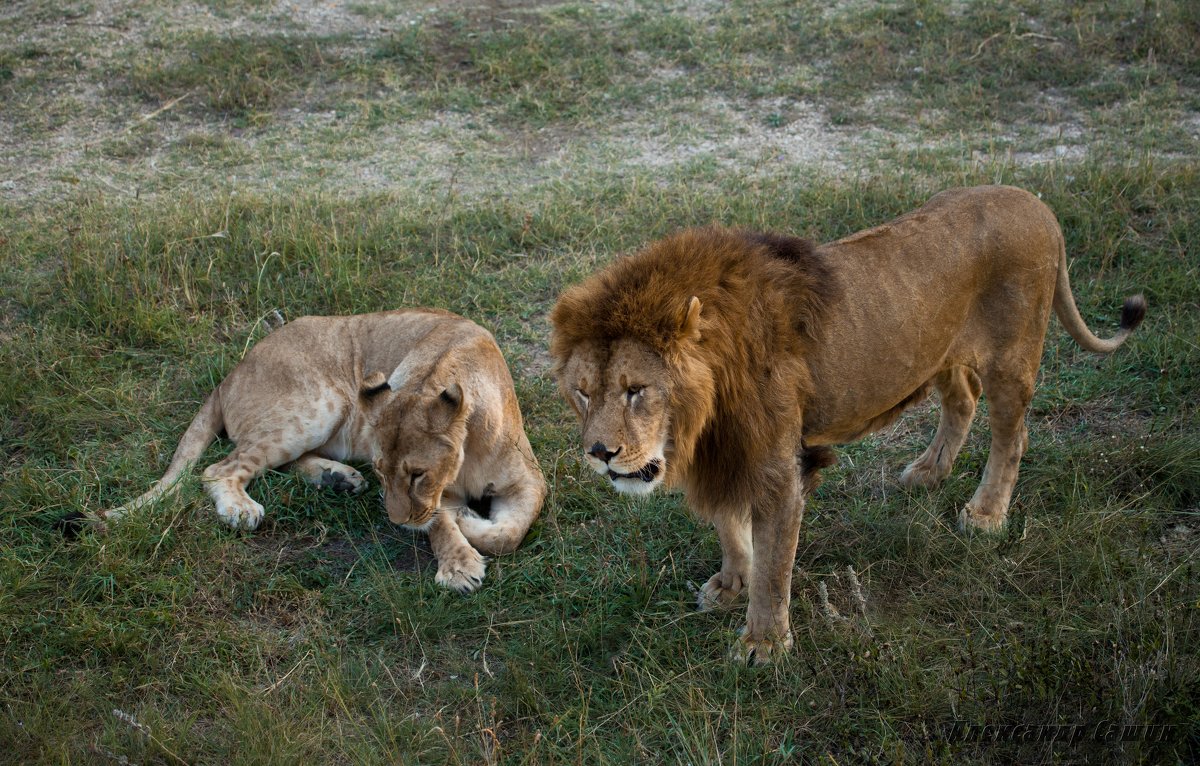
x: 343, y: 480
x: 760, y: 651
x: 463, y: 571
x: 721, y: 589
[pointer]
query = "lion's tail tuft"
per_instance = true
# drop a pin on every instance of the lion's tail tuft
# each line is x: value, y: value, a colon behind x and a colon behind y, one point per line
x: 1132, y: 314
x: 812, y: 460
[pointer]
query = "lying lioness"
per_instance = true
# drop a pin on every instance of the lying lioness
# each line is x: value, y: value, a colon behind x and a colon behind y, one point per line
x: 423, y: 394
x: 725, y: 362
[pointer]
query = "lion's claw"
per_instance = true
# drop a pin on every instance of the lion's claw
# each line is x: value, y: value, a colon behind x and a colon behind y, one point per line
x: 242, y: 514
x: 720, y: 590
x: 973, y: 519
x: 759, y: 652
x: 921, y: 475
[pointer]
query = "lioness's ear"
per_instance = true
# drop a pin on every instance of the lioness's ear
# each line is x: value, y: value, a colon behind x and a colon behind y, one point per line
x: 373, y: 384
x: 447, y: 407
x: 690, y: 326
x: 452, y: 396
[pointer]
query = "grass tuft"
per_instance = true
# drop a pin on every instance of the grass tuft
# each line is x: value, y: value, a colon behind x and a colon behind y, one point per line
x: 229, y: 75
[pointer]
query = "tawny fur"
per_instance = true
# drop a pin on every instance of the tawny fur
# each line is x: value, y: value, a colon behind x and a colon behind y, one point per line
x: 740, y: 357
x: 424, y: 395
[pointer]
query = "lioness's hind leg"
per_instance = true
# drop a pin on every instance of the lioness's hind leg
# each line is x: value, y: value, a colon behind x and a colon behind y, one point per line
x: 267, y: 437
x: 226, y: 479
x: 958, y: 389
x: 737, y: 557
x: 226, y: 482
x: 1008, y: 397
x: 331, y: 474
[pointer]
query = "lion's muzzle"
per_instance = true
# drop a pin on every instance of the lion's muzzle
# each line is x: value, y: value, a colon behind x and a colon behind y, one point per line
x: 640, y: 482
x: 600, y: 452
x: 646, y: 473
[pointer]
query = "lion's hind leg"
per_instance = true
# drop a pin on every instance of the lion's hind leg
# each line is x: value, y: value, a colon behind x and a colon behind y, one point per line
x: 958, y: 389
x: 226, y: 482
x: 1009, y: 393
x: 267, y: 437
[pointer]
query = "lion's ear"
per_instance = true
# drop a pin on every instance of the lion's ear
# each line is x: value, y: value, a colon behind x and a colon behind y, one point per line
x: 373, y: 384
x: 689, y: 328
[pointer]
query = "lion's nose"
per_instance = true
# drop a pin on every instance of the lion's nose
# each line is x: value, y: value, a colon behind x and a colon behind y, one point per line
x: 600, y: 452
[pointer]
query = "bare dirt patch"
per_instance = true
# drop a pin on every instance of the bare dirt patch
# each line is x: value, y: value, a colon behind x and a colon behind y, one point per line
x: 71, y: 126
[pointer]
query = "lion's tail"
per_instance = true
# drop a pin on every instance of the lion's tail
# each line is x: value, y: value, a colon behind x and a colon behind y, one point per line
x: 812, y: 460
x: 1132, y: 314
x: 208, y: 423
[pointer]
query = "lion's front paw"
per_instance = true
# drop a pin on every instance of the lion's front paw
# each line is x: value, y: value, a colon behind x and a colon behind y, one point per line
x: 344, y: 479
x: 720, y: 590
x: 242, y: 514
x: 975, y: 517
x: 759, y: 651
x: 921, y: 474
x: 462, y: 570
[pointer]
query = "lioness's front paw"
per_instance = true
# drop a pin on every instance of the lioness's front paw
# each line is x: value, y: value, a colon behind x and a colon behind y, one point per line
x: 345, y: 479
x: 244, y: 514
x: 720, y: 590
x: 973, y: 517
x: 759, y: 651
x: 462, y: 570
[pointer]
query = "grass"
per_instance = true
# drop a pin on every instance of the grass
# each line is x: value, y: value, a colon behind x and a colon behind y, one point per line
x: 322, y: 637
x: 232, y: 75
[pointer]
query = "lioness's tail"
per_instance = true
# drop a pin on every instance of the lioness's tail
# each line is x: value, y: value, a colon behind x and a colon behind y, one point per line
x: 205, y: 427
x: 508, y: 522
x: 1132, y: 314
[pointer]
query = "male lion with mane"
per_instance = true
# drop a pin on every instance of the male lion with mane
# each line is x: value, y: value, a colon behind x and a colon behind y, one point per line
x: 727, y: 362
x: 423, y: 394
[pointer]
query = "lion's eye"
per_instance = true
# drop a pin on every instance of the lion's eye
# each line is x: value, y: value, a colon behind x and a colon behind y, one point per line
x: 415, y: 476
x: 581, y: 398
x: 632, y: 392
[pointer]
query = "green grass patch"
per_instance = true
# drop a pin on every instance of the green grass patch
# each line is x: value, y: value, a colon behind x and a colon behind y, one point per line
x: 230, y: 75
x: 975, y: 60
x: 322, y: 637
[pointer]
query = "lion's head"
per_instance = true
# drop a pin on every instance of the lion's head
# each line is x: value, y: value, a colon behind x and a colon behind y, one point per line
x: 633, y: 350
x: 622, y: 395
x: 420, y: 430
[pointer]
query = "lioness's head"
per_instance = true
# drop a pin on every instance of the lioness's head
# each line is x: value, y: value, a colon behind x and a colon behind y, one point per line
x: 420, y: 432
x: 635, y: 381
